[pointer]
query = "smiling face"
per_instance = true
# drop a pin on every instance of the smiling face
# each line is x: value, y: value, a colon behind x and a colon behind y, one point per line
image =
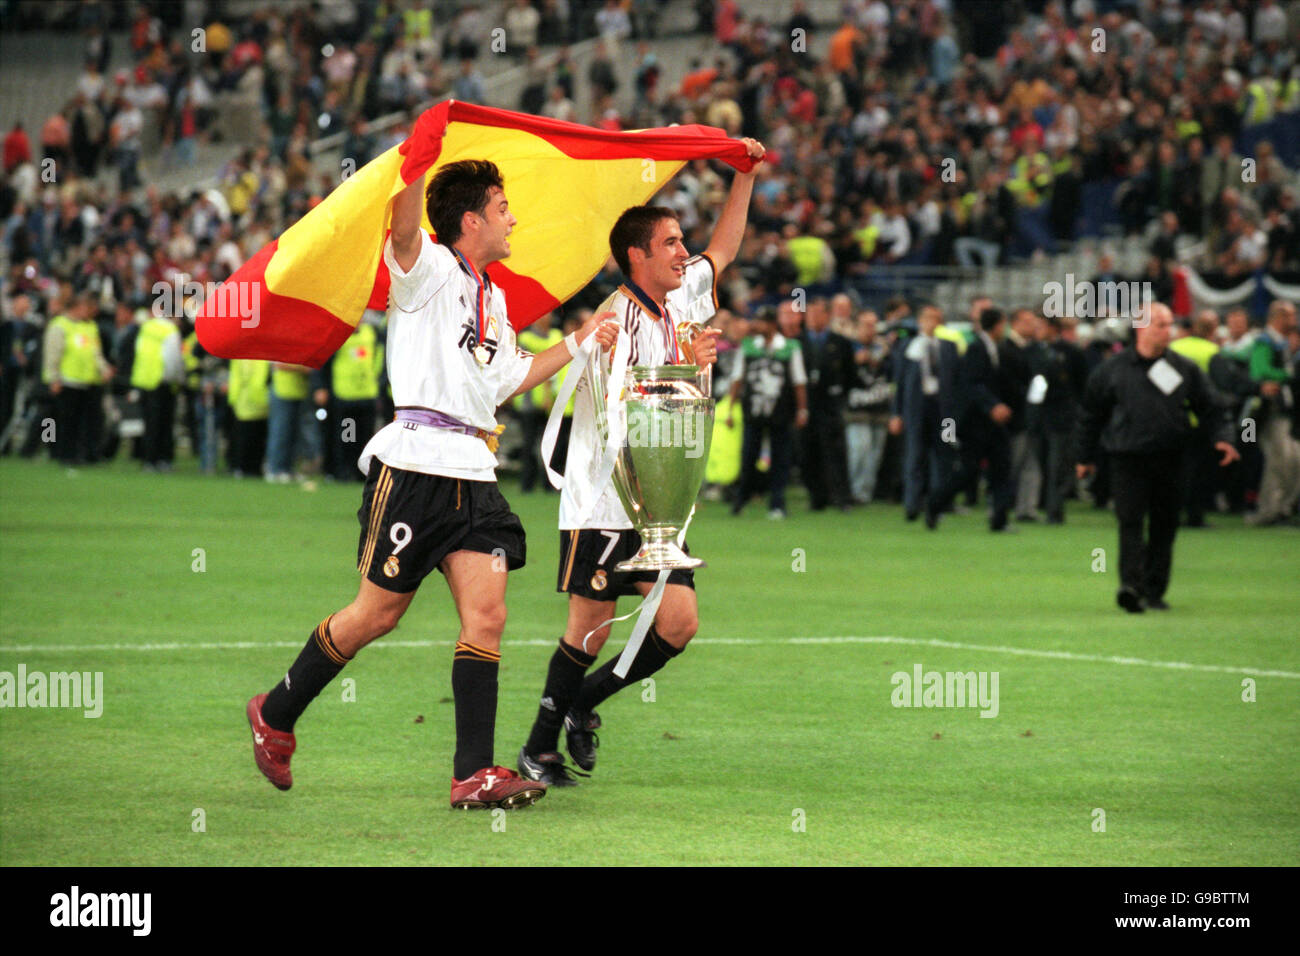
x: 491, y: 227
x: 661, y: 269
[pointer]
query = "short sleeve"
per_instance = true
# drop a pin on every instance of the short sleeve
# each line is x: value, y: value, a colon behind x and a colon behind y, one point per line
x: 697, y: 298
x: 411, y: 290
x: 738, y: 367
x: 797, y: 374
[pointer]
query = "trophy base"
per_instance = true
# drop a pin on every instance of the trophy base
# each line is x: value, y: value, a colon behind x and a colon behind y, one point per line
x: 660, y: 556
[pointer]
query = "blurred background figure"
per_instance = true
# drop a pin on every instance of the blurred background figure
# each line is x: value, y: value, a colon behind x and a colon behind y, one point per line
x: 867, y: 408
x: 1271, y: 365
x: 1058, y: 374
x: 771, y: 386
x: 1201, y: 468
x: 534, y: 407
x: 927, y: 403
x: 156, y: 369
x: 831, y: 370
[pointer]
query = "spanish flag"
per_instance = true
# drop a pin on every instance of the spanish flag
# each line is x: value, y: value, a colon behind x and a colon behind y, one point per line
x: 300, y: 297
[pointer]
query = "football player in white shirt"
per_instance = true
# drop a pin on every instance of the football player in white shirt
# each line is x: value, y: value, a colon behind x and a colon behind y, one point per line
x: 664, y: 286
x: 431, y: 498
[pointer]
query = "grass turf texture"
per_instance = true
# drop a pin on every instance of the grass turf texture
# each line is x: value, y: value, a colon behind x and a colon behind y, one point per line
x: 739, y: 738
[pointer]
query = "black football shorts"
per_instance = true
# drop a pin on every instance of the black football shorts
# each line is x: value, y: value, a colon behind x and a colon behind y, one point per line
x: 411, y: 521
x: 587, y: 560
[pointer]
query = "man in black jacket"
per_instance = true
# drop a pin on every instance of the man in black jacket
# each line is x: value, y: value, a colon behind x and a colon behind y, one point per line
x: 831, y: 373
x: 1052, y: 411
x: 925, y: 410
x: 989, y: 390
x: 1135, y: 407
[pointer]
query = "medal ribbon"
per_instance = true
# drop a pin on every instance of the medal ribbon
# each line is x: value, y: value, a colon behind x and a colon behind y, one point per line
x: 480, y: 310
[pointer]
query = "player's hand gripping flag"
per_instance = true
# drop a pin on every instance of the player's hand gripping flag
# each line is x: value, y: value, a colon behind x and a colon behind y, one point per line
x: 300, y: 297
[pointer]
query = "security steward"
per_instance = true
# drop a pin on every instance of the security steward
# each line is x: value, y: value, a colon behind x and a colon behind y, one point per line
x: 354, y: 385
x: 1136, y: 407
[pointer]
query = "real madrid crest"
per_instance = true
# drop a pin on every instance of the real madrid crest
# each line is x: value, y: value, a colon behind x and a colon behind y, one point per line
x: 391, y: 567
x: 598, y: 580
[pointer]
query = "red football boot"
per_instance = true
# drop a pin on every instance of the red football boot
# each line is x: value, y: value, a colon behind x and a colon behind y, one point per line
x: 271, y: 748
x: 494, y: 787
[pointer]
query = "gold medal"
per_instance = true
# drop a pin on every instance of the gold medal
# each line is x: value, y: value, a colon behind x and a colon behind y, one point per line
x: 481, y: 354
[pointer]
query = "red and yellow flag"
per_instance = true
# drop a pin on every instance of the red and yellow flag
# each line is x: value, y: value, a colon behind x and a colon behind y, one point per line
x: 300, y: 297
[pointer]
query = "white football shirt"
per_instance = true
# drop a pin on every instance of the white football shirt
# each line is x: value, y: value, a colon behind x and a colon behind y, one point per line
x: 651, y: 344
x: 431, y: 366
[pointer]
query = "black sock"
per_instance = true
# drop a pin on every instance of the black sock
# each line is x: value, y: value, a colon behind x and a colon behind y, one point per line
x: 600, y: 685
x: 474, y: 686
x: 317, y: 665
x: 563, y: 683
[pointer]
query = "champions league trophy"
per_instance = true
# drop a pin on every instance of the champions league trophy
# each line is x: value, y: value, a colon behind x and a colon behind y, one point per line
x: 668, y: 413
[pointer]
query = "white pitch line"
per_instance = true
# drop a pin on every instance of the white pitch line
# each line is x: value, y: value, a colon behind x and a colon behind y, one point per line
x: 740, y: 641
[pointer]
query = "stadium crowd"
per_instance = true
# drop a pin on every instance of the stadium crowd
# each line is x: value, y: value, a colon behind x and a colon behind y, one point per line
x: 928, y: 134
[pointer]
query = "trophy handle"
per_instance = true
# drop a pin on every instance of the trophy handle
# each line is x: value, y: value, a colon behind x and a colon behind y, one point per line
x: 687, y: 332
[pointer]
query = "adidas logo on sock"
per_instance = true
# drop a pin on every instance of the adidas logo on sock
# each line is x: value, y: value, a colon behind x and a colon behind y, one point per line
x: 548, y: 704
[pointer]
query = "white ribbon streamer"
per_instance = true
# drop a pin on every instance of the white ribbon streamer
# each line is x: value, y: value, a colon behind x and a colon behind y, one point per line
x: 649, y: 608
x: 616, y: 422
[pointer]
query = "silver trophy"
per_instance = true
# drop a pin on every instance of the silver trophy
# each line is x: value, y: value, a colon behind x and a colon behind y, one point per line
x: 668, y: 412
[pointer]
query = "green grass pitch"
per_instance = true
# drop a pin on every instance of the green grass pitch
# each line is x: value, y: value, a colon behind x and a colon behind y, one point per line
x: 767, y: 742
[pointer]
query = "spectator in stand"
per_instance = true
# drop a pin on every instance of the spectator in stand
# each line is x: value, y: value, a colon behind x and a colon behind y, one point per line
x: 17, y: 148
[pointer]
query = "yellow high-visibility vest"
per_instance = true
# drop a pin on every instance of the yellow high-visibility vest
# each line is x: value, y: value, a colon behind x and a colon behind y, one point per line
x: 147, y: 371
x: 192, y: 376
x: 724, y: 452
x: 808, y: 253
x: 357, y: 365
x: 289, y: 384
x: 248, y: 395
x: 1257, y: 106
x: 79, y: 364
x: 418, y: 24
x: 951, y: 335
x: 541, y: 394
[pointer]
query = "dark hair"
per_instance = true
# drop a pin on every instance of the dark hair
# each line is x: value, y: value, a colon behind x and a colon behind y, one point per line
x: 456, y: 189
x: 989, y: 318
x: 635, y: 228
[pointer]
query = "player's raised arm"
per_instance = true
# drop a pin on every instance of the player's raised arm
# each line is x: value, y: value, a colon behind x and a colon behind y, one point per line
x: 407, y: 210
x: 724, y: 244
x: 546, y: 364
